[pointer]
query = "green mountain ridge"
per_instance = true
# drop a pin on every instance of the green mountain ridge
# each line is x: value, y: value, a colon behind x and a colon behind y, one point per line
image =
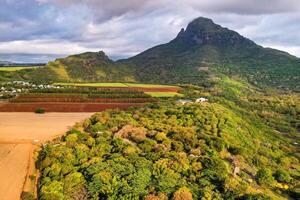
x: 202, y: 51
x: 204, y: 42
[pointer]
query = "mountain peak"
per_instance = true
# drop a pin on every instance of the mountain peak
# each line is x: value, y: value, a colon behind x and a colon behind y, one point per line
x: 203, y: 23
x: 203, y: 31
x: 100, y: 56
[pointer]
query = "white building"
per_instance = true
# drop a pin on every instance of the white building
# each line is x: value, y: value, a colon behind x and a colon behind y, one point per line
x: 201, y: 99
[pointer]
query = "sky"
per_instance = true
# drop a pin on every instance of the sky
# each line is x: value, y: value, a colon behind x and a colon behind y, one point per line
x: 42, y: 30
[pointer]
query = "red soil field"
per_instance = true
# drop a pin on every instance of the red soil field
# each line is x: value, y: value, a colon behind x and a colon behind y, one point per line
x: 64, y: 106
x: 45, y: 99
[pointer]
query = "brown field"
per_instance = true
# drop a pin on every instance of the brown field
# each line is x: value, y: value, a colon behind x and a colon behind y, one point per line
x: 13, y: 169
x: 63, y: 106
x: 17, y: 132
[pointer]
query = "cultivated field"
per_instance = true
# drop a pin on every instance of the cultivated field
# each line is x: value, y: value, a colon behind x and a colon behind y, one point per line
x: 151, y: 89
x: 163, y: 94
x: 63, y: 106
x: 115, y: 85
x: 17, y: 132
x: 75, y: 100
x: 17, y: 68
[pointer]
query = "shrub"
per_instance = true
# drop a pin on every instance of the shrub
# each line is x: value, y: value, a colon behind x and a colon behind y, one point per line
x: 255, y: 197
x: 264, y: 177
x: 282, y: 176
x: 235, y: 150
x: 40, y: 111
x: 27, y: 196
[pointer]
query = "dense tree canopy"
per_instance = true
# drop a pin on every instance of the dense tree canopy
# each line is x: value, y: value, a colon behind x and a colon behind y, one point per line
x: 221, y: 149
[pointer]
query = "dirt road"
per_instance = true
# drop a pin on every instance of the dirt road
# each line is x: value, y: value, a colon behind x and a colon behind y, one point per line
x: 17, y: 132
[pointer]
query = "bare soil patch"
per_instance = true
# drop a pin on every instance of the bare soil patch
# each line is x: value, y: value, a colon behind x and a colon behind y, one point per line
x: 17, y: 132
x: 13, y: 169
x: 16, y: 127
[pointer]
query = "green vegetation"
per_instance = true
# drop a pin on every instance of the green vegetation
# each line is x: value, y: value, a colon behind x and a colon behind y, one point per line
x: 82, y: 95
x: 92, y: 84
x: 115, y: 85
x: 164, y: 94
x: 27, y: 196
x: 170, y: 151
x: 17, y: 68
x: 92, y: 67
x: 40, y: 111
x: 149, y: 85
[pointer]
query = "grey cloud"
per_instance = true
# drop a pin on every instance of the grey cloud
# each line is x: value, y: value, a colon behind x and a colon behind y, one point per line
x: 247, y: 7
x: 112, y: 8
x: 29, y: 58
x: 123, y: 28
x: 104, y: 9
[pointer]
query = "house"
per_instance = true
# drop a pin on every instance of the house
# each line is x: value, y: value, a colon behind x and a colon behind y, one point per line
x: 184, y: 101
x: 201, y: 99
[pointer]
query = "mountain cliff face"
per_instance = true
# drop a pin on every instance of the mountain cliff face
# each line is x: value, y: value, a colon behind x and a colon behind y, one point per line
x: 203, y: 31
x: 201, y: 51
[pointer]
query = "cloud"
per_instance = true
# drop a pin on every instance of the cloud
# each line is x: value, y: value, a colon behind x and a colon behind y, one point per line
x: 120, y: 7
x: 43, y: 47
x: 125, y: 28
x: 247, y: 7
x: 103, y: 9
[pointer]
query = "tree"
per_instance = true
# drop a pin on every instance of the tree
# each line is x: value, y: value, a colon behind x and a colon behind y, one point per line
x: 182, y: 194
x: 53, y: 191
x: 73, y: 182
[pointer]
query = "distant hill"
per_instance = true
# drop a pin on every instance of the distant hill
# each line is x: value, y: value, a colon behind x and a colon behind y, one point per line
x: 87, y: 66
x: 4, y: 63
x: 199, y: 53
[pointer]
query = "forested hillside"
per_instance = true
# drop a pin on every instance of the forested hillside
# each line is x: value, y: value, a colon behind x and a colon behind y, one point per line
x: 241, y: 144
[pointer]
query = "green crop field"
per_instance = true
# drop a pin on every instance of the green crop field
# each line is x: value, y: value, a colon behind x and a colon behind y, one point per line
x: 149, y: 85
x: 163, y: 94
x: 17, y: 68
x: 93, y: 84
x: 116, y: 85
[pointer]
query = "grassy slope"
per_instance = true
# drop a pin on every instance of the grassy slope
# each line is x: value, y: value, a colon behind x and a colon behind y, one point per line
x: 17, y: 68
